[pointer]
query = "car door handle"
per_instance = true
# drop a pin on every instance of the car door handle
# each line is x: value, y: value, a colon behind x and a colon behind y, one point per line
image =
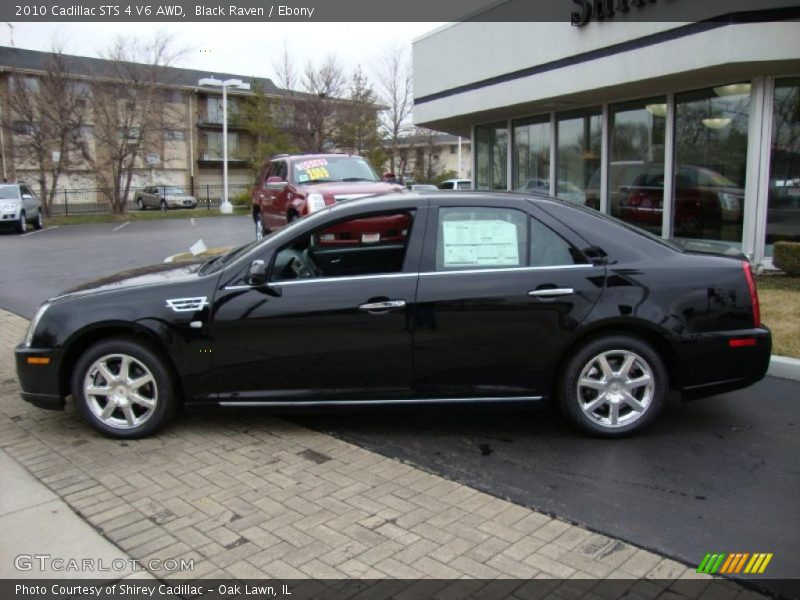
x: 551, y: 292
x: 381, y: 307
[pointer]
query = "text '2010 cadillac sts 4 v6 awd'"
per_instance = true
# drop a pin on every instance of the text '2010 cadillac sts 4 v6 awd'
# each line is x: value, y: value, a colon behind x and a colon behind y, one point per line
x: 481, y: 298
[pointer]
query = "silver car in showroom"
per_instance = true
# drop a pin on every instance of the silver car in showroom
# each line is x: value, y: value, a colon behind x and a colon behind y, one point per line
x: 164, y: 197
x: 19, y: 207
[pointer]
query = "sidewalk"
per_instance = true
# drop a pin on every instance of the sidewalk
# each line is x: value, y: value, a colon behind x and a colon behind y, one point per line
x: 246, y: 495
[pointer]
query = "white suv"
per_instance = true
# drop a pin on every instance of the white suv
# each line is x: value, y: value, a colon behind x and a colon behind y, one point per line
x: 19, y: 206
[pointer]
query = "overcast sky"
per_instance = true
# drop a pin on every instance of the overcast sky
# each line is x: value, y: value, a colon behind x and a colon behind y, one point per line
x: 239, y: 48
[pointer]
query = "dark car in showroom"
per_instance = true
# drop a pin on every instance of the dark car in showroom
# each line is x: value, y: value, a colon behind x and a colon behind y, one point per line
x: 490, y: 297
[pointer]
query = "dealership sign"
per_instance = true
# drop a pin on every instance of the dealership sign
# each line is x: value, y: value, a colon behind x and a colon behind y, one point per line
x: 603, y: 9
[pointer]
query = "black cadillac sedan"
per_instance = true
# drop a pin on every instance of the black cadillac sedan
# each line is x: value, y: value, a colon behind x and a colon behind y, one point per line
x: 480, y: 298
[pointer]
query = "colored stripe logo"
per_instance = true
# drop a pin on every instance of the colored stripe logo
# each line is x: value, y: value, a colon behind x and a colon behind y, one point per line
x: 735, y: 563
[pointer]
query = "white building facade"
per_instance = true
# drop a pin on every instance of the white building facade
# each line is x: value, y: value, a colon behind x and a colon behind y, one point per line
x: 688, y: 130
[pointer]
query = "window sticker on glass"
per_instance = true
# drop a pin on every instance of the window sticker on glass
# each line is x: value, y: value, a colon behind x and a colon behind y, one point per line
x: 480, y: 244
x: 302, y: 178
x: 310, y: 164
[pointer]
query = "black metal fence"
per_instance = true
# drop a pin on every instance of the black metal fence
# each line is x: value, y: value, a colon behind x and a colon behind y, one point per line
x: 96, y: 200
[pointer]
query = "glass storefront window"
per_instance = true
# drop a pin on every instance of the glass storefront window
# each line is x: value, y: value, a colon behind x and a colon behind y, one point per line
x: 578, y: 158
x: 531, y: 159
x: 636, y: 170
x: 491, y: 155
x: 783, y: 210
x: 710, y: 164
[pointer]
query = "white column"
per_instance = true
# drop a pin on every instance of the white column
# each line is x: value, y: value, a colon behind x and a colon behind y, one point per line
x: 757, y: 156
x: 509, y: 151
x: 459, y: 158
x: 553, y: 154
x: 605, y: 147
x: 668, y: 201
x: 758, y: 209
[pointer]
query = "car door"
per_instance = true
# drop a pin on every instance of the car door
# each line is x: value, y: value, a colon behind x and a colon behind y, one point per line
x: 29, y: 202
x: 502, y: 288
x: 275, y: 208
x: 149, y: 197
x: 319, y: 338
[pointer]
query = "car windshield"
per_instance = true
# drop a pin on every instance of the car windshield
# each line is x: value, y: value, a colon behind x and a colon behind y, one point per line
x: 8, y: 192
x: 173, y: 190
x: 333, y: 168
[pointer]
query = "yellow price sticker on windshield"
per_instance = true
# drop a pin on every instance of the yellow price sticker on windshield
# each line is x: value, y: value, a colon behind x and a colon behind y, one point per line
x: 318, y: 173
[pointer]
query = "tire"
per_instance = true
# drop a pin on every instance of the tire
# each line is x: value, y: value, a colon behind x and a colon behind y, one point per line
x: 291, y: 217
x: 163, y: 206
x: 39, y: 222
x: 22, y: 225
x: 128, y: 418
x: 140, y: 204
x: 259, y: 228
x: 596, y: 383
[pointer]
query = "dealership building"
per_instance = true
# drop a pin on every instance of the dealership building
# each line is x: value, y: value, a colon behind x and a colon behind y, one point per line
x: 690, y: 130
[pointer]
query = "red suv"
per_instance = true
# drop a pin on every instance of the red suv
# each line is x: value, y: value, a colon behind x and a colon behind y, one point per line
x: 291, y: 186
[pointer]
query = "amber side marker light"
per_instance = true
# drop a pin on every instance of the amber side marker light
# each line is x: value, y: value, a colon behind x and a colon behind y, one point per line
x: 38, y: 360
x: 742, y: 342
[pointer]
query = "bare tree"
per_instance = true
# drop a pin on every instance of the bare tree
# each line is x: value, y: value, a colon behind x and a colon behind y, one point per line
x: 285, y: 73
x: 46, y: 117
x: 358, y: 120
x: 132, y: 108
x: 395, y: 92
x: 319, y: 109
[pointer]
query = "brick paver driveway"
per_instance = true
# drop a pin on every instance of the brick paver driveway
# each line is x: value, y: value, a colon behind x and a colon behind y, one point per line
x: 251, y: 496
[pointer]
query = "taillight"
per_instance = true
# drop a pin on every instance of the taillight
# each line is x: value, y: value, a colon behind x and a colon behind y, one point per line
x: 751, y: 286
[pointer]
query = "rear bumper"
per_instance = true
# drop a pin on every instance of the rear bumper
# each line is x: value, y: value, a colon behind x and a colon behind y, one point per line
x: 713, y: 363
x: 39, y: 382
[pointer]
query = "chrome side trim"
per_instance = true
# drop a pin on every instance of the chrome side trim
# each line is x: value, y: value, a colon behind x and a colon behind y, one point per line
x: 187, y: 304
x: 504, y: 270
x: 399, y: 275
x: 312, y: 403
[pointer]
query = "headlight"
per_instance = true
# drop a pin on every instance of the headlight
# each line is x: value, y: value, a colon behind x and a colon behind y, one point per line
x: 315, y: 202
x: 35, y: 323
x: 8, y: 206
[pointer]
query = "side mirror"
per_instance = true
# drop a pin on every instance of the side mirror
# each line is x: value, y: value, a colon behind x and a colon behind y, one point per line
x: 257, y: 274
x: 27, y: 197
x: 276, y: 183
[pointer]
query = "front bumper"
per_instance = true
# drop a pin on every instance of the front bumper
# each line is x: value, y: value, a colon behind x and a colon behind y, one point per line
x: 39, y: 382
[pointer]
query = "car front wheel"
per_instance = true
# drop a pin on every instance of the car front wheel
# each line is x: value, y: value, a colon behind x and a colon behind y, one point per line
x: 22, y: 225
x: 613, y: 386
x: 123, y: 389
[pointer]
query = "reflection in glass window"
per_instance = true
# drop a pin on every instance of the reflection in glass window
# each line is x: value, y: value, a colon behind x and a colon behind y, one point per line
x: 579, y: 141
x: 531, y: 160
x: 636, y: 172
x: 711, y: 158
x: 783, y: 211
x: 490, y: 157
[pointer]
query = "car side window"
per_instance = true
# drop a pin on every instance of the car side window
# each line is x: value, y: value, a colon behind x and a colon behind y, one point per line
x: 548, y: 249
x: 281, y: 171
x: 481, y: 238
x: 369, y: 245
x: 23, y: 189
x: 269, y: 173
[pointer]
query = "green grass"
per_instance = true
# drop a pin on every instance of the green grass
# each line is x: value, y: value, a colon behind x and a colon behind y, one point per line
x: 779, y: 296
x: 142, y: 215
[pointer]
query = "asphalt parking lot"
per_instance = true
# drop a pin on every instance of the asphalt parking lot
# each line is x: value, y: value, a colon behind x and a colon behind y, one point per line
x: 716, y: 475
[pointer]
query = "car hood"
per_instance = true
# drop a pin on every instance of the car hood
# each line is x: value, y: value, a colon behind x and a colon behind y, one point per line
x: 140, y: 276
x: 352, y: 189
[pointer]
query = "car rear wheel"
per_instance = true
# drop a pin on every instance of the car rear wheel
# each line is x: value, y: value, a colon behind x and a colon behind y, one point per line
x: 163, y: 206
x: 39, y: 222
x: 123, y: 389
x: 140, y: 203
x: 613, y: 386
x: 22, y: 225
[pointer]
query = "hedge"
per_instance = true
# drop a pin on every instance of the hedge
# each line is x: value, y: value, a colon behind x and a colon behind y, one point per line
x: 786, y: 256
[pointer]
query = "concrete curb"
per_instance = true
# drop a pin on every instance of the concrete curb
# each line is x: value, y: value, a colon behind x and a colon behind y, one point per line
x: 784, y: 367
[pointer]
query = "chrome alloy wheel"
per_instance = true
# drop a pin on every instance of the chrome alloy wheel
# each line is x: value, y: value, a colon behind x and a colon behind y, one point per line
x: 615, y: 388
x: 259, y: 229
x: 120, y: 391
